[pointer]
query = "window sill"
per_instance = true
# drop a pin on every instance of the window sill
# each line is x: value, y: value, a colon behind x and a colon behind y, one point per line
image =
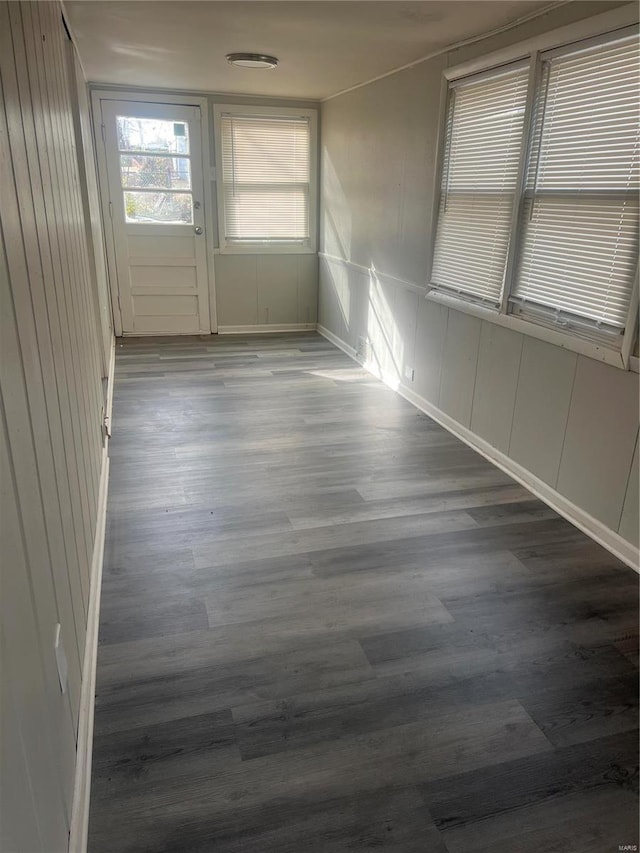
x: 265, y: 249
x: 526, y: 327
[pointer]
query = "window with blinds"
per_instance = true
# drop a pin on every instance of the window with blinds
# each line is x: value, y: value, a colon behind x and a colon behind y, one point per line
x: 579, y: 228
x: 266, y: 178
x: 479, y: 180
x: 539, y: 208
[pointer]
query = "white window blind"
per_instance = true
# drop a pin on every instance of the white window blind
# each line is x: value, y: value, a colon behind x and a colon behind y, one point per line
x: 479, y: 180
x: 579, y: 228
x: 266, y: 171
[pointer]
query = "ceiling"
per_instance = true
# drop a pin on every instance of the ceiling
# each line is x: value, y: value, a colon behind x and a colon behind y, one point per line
x: 323, y: 47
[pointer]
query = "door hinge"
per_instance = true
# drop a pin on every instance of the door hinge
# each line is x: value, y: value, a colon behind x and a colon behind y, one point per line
x: 102, y: 132
x: 111, y: 210
x: 106, y: 426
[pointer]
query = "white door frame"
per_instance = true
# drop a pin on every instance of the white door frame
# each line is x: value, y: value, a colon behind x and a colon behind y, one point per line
x: 99, y: 95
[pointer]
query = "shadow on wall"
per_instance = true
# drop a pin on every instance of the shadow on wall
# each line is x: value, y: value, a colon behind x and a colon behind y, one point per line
x: 337, y: 221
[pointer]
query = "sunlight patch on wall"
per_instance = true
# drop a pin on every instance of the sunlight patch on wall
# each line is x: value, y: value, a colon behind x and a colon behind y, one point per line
x: 385, y: 341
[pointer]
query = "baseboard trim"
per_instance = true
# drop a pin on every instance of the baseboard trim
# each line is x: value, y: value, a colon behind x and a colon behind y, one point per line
x: 166, y: 334
x: 609, y: 539
x: 266, y: 329
x: 334, y: 339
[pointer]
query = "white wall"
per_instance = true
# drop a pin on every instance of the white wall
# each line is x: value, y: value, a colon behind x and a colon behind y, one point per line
x: 252, y: 290
x: 52, y: 457
x: 563, y: 420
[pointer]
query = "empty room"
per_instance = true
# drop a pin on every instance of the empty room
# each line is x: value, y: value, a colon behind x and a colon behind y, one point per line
x: 319, y: 387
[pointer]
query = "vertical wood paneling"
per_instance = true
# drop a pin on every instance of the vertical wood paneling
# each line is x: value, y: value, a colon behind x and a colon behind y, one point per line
x: 459, y: 364
x: 26, y: 421
x: 59, y: 116
x: 38, y: 326
x: 57, y: 228
x: 429, y: 347
x: 61, y: 331
x: 50, y: 423
x: 496, y: 384
x: 236, y: 289
x: 542, y: 408
x: 600, y: 440
x: 352, y: 303
x: 277, y: 277
x: 266, y: 289
x: 16, y: 796
x: 23, y: 672
x: 307, y: 268
x: 630, y: 519
x: 404, y: 329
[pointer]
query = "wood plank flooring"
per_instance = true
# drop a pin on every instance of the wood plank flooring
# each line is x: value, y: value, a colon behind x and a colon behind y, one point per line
x: 329, y: 626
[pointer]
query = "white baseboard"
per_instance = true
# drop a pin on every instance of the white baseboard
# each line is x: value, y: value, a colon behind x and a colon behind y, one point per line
x: 266, y: 329
x: 337, y: 342
x: 178, y: 334
x: 609, y: 539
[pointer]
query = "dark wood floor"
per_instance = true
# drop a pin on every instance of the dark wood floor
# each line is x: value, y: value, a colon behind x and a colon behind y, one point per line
x: 329, y: 626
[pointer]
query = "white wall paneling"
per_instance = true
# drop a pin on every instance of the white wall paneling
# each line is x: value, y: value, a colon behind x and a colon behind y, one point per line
x: 271, y: 290
x: 277, y: 290
x: 429, y: 348
x: 237, y: 289
x: 333, y: 313
x: 307, y: 285
x: 54, y: 354
x: 541, y: 408
x: 459, y: 365
x: 600, y: 439
x: 630, y: 519
x: 496, y: 383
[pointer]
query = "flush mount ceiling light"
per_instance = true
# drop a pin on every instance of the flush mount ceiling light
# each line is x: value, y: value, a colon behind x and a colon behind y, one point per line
x: 252, y: 60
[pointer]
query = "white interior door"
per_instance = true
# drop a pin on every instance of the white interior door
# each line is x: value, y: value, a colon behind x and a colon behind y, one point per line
x: 156, y: 189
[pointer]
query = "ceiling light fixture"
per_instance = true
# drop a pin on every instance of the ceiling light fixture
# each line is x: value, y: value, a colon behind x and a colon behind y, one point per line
x: 252, y: 60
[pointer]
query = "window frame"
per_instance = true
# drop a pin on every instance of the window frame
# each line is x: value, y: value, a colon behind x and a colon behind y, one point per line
x: 266, y: 247
x: 598, y: 30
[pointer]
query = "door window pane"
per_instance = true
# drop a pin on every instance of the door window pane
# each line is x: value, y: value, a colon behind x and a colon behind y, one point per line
x: 145, y: 207
x: 151, y: 134
x: 143, y: 170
